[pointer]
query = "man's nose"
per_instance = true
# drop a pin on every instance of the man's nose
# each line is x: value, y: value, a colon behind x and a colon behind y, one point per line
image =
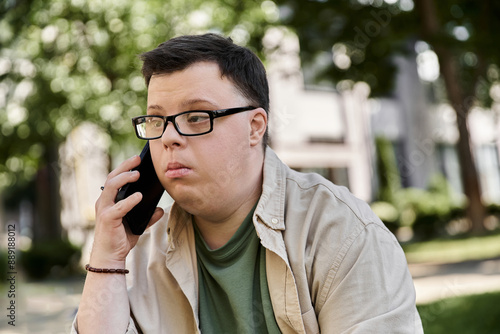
x: 171, y: 136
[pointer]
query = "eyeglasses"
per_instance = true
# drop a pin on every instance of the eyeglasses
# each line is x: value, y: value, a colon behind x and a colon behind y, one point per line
x: 187, y: 123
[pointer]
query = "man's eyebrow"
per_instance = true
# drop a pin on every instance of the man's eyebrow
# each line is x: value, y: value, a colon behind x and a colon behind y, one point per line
x: 155, y: 107
x: 189, y: 103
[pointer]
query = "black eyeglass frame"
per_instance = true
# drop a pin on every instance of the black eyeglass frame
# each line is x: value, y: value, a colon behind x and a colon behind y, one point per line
x: 212, y: 114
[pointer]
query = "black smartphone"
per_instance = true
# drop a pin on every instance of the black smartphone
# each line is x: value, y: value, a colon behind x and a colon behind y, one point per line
x: 151, y: 189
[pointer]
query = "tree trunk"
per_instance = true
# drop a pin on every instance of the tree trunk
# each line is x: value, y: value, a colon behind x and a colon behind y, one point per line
x: 476, y: 211
x: 47, y: 221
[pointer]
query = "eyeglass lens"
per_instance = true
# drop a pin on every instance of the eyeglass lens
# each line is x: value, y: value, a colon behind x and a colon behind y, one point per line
x: 190, y: 123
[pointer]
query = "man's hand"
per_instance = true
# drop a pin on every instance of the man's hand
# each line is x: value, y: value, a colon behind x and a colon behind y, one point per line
x: 112, y: 241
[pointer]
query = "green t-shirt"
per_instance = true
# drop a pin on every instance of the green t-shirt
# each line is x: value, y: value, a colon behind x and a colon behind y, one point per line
x: 234, y: 296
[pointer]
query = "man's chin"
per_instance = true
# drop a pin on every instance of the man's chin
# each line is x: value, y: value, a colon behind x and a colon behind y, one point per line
x: 188, y: 199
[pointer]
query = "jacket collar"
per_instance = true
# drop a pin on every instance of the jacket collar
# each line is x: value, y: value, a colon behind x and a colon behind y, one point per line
x: 178, y: 218
x: 271, y: 206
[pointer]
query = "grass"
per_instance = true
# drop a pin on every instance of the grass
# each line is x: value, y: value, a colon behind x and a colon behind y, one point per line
x: 465, y: 315
x: 453, y: 250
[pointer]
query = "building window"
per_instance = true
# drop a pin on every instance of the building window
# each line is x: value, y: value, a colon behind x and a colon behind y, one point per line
x: 489, y: 172
x: 449, y: 165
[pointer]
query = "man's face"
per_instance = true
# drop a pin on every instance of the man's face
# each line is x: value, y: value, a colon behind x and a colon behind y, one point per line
x: 204, y: 174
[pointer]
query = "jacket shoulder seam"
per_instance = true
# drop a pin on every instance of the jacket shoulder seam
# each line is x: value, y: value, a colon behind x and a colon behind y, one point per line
x: 364, y: 221
x: 335, y: 265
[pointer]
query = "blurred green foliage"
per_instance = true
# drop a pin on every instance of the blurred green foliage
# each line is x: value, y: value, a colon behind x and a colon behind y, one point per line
x: 451, y: 250
x: 389, y: 180
x: 3, y: 264
x: 366, y: 35
x: 426, y: 211
x: 327, y: 29
x: 465, y: 315
x: 63, y: 62
x: 429, y: 211
x: 494, y: 209
x: 56, y: 258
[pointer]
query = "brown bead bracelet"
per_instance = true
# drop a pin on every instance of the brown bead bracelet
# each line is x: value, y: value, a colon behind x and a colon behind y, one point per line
x: 106, y: 271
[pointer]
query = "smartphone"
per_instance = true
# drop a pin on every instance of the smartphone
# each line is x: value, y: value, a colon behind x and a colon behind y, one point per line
x: 151, y: 189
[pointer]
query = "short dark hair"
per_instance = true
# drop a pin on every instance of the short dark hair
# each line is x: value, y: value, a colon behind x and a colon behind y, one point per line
x: 235, y: 62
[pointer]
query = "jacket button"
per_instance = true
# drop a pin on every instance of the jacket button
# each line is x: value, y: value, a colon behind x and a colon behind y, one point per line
x: 275, y: 221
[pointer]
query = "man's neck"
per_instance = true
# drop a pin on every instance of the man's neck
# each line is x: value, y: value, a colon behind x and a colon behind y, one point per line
x: 217, y: 233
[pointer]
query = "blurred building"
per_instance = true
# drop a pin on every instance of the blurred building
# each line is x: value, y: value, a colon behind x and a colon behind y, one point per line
x: 332, y: 132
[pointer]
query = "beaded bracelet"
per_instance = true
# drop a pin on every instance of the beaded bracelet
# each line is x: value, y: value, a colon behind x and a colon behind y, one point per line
x: 106, y: 271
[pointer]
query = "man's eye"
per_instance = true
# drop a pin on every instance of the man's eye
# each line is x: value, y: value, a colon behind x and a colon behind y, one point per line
x: 155, y: 122
x: 197, y: 118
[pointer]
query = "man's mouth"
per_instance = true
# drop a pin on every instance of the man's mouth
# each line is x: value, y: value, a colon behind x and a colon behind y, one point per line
x: 176, y: 170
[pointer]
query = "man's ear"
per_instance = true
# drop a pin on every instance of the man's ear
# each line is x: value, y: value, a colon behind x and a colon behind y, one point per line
x: 258, y: 126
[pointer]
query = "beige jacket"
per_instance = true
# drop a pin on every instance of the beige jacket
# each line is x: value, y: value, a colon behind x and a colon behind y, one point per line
x: 332, y: 266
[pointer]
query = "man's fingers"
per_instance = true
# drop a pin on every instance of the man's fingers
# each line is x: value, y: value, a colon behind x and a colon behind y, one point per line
x: 112, y: 185
x: 116, y: 212
x: 122, y: 207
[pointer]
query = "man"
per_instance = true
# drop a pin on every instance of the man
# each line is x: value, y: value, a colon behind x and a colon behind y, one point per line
x: 249, y: 246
